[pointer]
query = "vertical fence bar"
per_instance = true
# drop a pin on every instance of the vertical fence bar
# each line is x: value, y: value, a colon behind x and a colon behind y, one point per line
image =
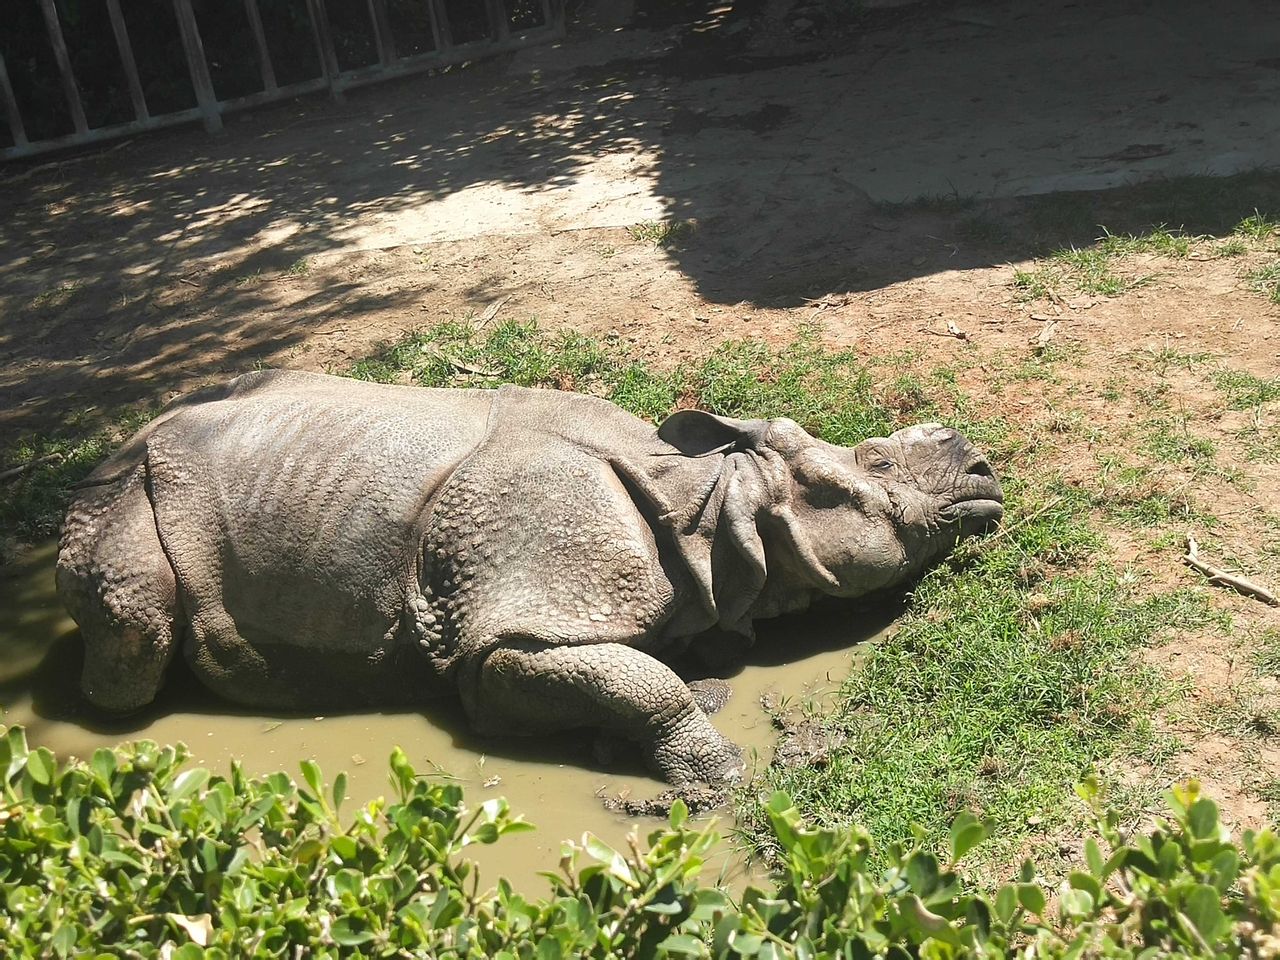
x: 16, y: 130
x: 324, y: 45
x: 440, y: 29
x: 206, y: 99
x: 140, y: 111
x: 499, y: 29
x: 382, y: 35
x: 69, y: 88
x: 259, y: 41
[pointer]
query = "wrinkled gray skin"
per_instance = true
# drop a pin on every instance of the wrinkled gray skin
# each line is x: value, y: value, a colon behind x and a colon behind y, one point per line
x: 310, y: 540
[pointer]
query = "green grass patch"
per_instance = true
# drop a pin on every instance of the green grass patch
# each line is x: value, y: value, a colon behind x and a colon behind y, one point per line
x: 1039, y: 283
x: 662, y: 233
x: 1089, y: 269
x: 1266, y: 281
x: 1161, y: 240
x: 1169, y: 441
x: 832, y: 394
x: 1267, y: 653
x: 1011, y: 676
x: 1244, y: 391
x: 1257, y: 227
x: 34, y: 501
x: 1232, y: 247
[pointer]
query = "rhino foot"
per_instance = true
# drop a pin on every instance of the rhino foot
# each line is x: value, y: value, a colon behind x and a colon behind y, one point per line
x: 710, y: 694
x: 693, y: 751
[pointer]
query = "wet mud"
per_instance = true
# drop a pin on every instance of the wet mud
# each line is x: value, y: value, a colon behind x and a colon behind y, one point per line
x: 562, y: 784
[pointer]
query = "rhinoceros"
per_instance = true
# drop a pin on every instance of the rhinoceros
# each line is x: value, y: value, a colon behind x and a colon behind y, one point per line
x: 314, y: 540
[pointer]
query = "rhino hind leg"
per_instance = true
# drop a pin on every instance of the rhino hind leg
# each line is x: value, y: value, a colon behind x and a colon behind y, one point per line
x: 536, y: 689
x: 115, y: 580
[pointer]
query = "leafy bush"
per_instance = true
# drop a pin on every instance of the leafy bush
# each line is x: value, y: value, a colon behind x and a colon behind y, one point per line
x: 133, y: 854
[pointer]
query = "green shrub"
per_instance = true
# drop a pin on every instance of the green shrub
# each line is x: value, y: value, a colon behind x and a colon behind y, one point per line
x: 134, y: 854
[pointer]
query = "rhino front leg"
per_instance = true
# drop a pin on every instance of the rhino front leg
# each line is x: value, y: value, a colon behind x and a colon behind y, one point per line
x: 534, y: 689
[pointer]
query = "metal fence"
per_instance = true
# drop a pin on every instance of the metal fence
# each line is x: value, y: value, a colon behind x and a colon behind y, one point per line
x: 502, y: 34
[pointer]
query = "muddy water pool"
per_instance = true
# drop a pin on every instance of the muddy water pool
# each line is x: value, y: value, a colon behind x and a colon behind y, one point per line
x: 554, y: 782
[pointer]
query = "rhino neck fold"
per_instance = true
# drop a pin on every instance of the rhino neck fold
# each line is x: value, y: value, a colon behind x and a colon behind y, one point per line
x: 708, y: 510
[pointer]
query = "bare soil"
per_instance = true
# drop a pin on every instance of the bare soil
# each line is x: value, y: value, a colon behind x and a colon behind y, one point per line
x: 307, y: 235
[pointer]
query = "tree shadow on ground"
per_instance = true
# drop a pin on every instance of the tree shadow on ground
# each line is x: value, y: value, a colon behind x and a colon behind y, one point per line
x: 152, y: 256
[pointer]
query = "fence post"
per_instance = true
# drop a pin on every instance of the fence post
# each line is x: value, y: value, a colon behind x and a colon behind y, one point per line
x: 260, y: 41
x: 324, y: 46
x: 140, y: 111
x: 499, y: 28
x: 441, y: 32
x: 69, y: 88
x: 16, y: 129
x: 383, y: 38
x: 198, y: 66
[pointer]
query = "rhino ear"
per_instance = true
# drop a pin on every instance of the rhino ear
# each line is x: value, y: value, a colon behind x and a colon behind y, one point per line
x: 696, y: 433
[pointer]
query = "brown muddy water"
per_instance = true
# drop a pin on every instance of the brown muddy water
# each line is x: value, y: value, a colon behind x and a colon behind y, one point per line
x: 554, y: 782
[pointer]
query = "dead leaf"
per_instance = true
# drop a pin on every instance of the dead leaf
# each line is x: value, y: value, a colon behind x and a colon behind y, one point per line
x: 1046, y: 335
x: 199, y: 928
x: 956, y: 331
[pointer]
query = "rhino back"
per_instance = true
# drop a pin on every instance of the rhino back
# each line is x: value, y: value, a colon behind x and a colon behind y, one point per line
x: 292, y: 510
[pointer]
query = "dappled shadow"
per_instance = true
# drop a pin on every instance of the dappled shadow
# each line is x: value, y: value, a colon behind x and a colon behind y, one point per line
x: 181, y: 255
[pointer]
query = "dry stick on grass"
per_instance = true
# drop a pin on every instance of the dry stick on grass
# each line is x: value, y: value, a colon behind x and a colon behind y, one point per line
x: 14, y: 472
x: 490, y: 312
x: 466, y: 367
x: 1239, y: 584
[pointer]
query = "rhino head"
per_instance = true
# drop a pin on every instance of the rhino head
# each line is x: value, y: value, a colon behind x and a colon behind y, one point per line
x: 814, y: 518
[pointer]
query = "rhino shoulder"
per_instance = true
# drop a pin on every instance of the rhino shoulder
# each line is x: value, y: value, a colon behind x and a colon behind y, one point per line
x: 536, y: 536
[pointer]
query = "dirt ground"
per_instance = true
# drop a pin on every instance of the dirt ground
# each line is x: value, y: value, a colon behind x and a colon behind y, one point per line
x: 885, y: 179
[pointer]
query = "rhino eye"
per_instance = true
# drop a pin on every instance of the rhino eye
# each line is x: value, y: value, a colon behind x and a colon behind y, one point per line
x: 881, y: 465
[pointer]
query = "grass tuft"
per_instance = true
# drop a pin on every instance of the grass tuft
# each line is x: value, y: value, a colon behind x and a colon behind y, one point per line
x: 1039, y: 284
x: 1090, y: 269
x: 1267, y: 653
x: 34, y: 502
x: 1266, y: 280
x: 1245, y: 391
x: 1160, y: 241
x: 1257, y: 227
x: 662, y: 233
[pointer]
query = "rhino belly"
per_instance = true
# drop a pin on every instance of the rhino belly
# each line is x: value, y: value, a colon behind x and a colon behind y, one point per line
x: 294, y: 528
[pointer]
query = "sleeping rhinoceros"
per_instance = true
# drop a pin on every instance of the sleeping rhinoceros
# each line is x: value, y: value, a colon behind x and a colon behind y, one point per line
x: 309, y: 539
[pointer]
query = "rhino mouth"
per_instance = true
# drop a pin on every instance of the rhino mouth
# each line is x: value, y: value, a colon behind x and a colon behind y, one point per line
x: 985, y: 509
x: 979, y: 507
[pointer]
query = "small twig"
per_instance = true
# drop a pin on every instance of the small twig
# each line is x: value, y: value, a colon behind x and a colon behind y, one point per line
x: 1022, y: 521
x: 190, y: 283
x: 14, y: 472
x: 490, y: 312
x: 1215, y: 575
x: 951, y: 331
x: 466, y: 367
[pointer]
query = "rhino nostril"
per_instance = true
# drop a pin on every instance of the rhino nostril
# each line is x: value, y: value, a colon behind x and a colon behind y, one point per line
x: 980, y: 468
